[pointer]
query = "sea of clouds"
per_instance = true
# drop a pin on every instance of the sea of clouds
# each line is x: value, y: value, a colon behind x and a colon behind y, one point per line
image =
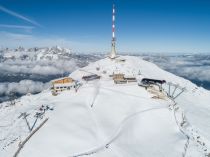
x: 23, y: 77
x: 38, y: 67
x: 195, y: 67
x: 22, y: 87
x: 33, y: 76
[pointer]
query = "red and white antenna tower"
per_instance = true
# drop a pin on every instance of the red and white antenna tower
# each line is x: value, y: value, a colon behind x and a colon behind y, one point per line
x: 113, y: 50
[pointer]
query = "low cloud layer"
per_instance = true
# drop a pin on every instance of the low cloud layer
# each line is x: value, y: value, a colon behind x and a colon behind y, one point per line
x: 193, y: 67
x: 22, y: 87
x: 25, y: 71
x: 38, y: 67
x: 29, y: 75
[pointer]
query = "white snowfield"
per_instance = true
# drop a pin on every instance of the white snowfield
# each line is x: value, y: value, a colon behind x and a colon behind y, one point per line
x: 103, y: 119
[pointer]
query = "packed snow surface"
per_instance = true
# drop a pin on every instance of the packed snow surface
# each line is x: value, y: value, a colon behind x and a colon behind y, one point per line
x: 104, y: 119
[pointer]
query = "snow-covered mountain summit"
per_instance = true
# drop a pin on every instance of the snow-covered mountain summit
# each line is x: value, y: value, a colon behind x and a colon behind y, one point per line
x: 103, y: 119
x: 45, y: 53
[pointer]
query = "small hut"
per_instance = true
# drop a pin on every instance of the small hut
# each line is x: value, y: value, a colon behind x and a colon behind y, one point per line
x: 121, y: 78
x: 130, y: 79
x: 91, y: 77
x: 62, y: 84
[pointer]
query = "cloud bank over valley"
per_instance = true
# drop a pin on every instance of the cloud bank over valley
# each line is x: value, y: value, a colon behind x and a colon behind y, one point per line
x: 25, y: 71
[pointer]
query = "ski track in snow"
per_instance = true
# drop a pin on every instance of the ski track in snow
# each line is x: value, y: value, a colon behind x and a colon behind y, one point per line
x: 114, y: 136
x: 189, y: 132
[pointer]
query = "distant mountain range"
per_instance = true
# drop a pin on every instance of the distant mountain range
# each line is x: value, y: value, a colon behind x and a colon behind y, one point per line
x: 42, y: 61
x: 46, y: 53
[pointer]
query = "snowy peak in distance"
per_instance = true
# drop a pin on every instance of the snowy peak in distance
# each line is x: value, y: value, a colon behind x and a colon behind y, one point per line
x: 45, y: 53
x: 53, y: 53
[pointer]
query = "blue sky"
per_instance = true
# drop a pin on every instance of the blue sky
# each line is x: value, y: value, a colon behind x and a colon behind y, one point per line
x: 169, y: 26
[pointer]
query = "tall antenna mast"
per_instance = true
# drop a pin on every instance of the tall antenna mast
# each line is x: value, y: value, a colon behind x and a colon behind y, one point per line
x: 113, y: 50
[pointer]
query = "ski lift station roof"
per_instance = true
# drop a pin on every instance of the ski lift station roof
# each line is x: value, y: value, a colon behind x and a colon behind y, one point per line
x: 62, y: 80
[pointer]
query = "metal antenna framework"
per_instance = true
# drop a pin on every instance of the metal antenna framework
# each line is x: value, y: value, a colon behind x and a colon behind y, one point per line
x: 113, y: 50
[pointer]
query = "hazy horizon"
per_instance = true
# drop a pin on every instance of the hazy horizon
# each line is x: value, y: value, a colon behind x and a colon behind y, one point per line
x: 107, y: 51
